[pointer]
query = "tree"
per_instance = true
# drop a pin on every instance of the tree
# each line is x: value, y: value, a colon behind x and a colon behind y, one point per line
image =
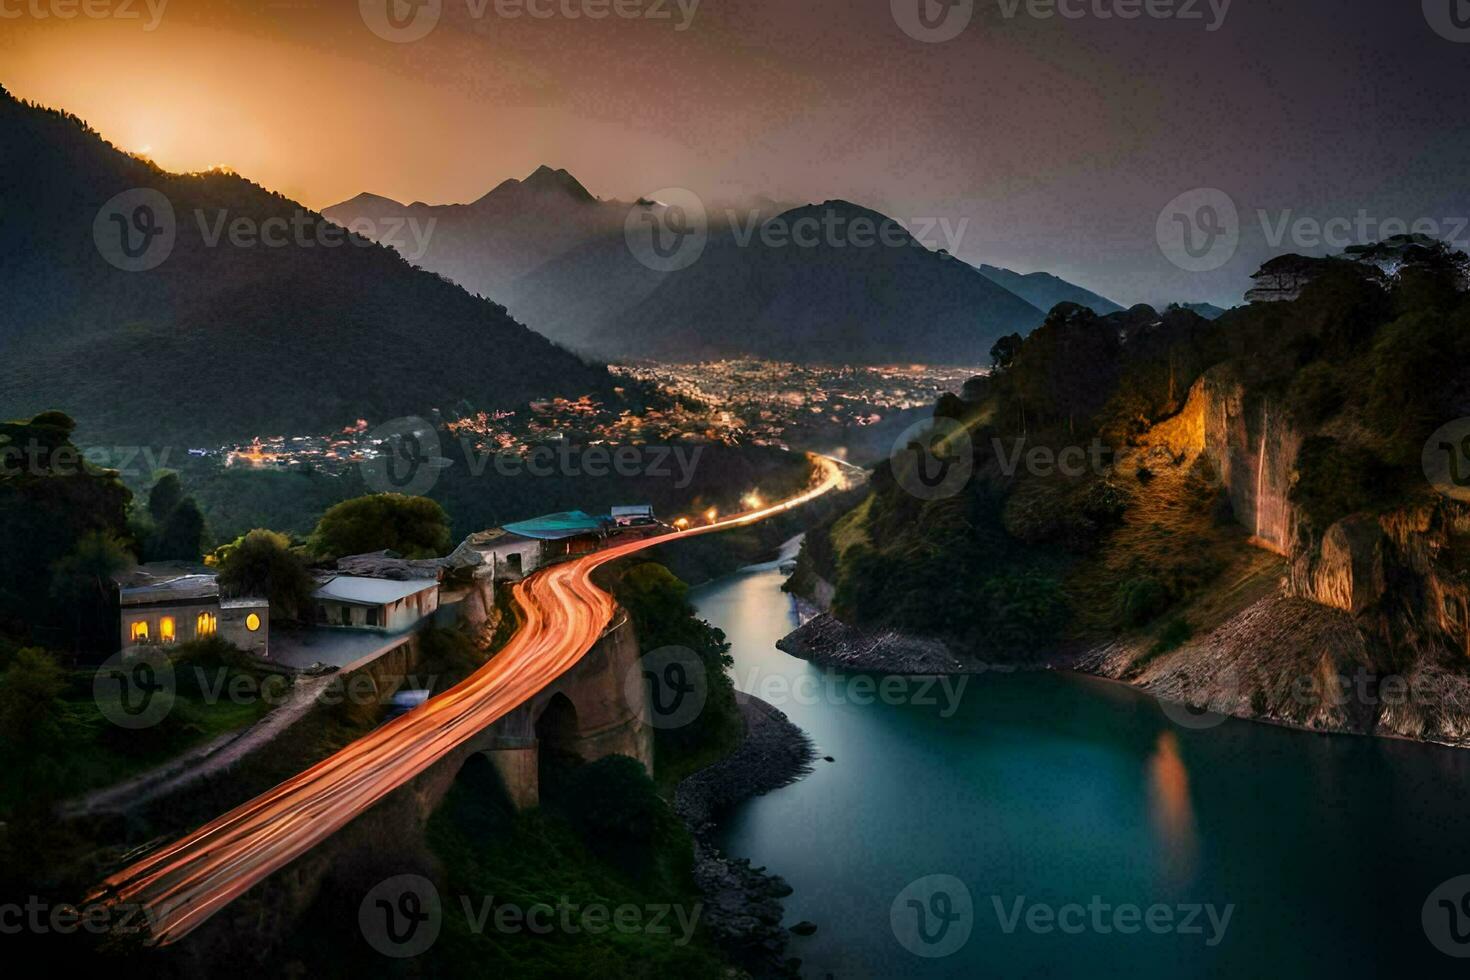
x: 31, y: 718
x: 30, y: 703
x: 414, y: 527
x: 262, y: 563
x: 181, y: 536
x: 166, y: 494
x: 174, y: 530
x: 1003, y: 352
x: 82, y: 583
x: 50, y: 498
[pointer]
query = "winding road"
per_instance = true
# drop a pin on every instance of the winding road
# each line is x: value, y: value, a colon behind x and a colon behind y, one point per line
x: 563, y: 616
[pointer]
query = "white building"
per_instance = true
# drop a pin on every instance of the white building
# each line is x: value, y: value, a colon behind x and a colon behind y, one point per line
x: 389, y: 605
x: 169, y: 603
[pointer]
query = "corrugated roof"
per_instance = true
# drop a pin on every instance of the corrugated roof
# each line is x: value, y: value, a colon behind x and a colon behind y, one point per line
x: 371, y: 591
x: 554, y: 527
x: 183, y: 588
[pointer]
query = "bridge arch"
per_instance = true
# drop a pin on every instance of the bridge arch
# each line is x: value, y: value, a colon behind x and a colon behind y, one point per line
x: 589, y: 712
x: 558, y: 734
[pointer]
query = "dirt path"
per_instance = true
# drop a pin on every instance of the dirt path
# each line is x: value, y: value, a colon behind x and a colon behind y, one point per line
x: 202, y: 761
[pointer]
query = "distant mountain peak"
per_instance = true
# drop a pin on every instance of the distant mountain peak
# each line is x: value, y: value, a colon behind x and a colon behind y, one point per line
x: 367, y: 198
x: 542, y: 180
x: 1044, y: 290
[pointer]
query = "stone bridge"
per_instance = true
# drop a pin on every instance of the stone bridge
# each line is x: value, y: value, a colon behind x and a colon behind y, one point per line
x: 588, y: 712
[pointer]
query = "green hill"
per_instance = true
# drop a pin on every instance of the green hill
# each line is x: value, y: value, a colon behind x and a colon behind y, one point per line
x: 228, y: 336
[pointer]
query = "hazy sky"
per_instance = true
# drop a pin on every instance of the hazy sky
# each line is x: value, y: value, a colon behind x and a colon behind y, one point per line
x: 1058, y: 140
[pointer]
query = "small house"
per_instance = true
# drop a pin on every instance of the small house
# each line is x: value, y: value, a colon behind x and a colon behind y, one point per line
x: 167, y: 602
x: 633, y: 515
x: 389, y: 605
x: 506, y: 555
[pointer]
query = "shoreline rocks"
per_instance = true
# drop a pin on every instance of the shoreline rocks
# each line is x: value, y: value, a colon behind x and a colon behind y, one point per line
x: 743, y: 904
x: 828, y: 642
x: 1269, y: 663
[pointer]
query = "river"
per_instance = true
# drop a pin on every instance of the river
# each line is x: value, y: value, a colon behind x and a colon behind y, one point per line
x: 1090, y: 834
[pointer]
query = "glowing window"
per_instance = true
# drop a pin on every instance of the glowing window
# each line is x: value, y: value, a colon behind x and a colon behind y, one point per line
x: 139, y: 631
x: 206, y: 624
x: 252, y: 622
x: 166, y: 629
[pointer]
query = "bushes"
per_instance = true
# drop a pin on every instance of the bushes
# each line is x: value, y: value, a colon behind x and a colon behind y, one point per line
x: 1315, y: 393
x: 629, y: 812
x: 414, y: 527
x: 1336, y: 479
x: 262, y: 563
x: 1024, y: 608
x: 1176, y: 633
x: 1416, y: 379
x: 657, y: 602
x: 1140, y: 599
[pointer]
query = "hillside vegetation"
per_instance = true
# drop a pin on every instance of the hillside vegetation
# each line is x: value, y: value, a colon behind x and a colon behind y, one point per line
x: 1232, y: 459
x: 229, y: 336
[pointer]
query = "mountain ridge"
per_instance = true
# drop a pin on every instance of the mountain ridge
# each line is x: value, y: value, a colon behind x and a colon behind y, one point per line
x: 317, y: 334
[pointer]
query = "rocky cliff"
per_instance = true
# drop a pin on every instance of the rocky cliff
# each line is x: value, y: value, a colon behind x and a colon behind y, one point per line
x: 1367, y: 629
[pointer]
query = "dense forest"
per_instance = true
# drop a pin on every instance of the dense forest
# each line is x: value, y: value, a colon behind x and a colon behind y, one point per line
x: 1349, y: 378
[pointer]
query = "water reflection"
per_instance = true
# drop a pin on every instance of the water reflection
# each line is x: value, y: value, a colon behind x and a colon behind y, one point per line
x: 1172, y: 811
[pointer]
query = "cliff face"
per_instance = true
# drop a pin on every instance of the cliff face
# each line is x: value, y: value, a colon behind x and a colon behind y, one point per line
x: 1253, y: 447
x: 1395, y: 574
x: 1371, y: 619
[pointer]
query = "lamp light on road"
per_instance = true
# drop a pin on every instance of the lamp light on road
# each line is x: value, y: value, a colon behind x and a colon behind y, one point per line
x: 711, y: 514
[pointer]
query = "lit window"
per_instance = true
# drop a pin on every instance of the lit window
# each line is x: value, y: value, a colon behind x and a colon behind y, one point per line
x: 166, y: 629
x: 139, y: 631
x: 206, y: 624
x: 252, y: 622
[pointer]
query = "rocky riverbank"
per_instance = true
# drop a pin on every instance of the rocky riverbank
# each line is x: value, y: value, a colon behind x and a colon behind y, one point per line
x: 827, y: 641
x: 743, y: 904
x: 1279, y: 659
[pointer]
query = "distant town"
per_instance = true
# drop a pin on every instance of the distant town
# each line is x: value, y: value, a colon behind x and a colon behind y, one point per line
x: 733, y: 402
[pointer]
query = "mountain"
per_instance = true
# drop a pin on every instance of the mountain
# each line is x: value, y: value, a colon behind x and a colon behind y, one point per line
x: 261, y: 317
x: 1207, y: 310
x: 488, y: 244
x: 846, y: 298
x: 558, y: 258
x: 572, y: 297
x: 1044, y: 290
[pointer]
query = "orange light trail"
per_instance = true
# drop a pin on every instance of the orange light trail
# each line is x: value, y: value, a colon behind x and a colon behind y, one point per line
x: 564, y: 614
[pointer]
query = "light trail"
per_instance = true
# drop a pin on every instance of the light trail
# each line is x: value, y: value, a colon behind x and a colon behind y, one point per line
x: 564, y: 614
